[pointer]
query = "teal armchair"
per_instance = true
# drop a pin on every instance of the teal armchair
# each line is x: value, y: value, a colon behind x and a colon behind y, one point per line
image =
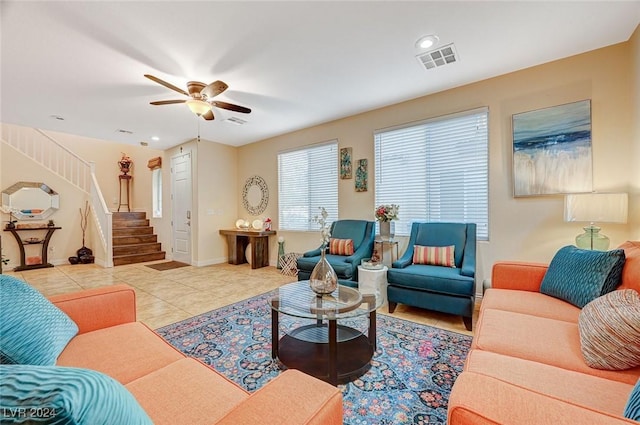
x: 346, y: 267
x: 432, y: 287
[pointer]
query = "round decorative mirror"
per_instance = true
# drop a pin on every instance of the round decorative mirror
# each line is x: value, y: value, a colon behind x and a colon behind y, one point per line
x: 255, y: 195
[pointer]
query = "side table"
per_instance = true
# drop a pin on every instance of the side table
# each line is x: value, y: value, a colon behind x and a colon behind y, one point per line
x: 372, y: 280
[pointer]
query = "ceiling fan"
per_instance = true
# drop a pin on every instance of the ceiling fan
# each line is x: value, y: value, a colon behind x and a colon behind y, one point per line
x: 201, y: 96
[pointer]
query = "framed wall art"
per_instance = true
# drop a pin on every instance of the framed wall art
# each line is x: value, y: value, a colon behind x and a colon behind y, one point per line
x: 362, y: 176
x: 345, y: 163
x: 552, y: 150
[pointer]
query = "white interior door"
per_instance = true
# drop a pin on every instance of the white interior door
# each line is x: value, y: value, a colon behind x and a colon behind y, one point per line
x: 181, y: 206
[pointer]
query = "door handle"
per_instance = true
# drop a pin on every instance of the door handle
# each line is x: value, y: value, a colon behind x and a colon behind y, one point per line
x: 188, y: 222
x: 188, y: 215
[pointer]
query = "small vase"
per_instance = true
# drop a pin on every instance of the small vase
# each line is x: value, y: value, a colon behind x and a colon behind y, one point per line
x: 323, y: 279
x: 387, y: 230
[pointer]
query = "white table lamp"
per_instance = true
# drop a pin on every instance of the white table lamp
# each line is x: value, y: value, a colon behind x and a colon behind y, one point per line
x: 595, y: 208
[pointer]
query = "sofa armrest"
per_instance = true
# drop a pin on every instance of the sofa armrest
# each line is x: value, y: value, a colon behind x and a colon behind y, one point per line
x: 519, y: 275
x: 99, y: 308
x: 511, y: 404
x: 291, y: 398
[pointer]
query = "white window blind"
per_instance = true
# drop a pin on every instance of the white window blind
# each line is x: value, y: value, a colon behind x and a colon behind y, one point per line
x: 436, y: 170
x: 307, y: 180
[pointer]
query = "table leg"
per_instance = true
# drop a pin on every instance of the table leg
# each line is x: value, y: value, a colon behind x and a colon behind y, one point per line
x: 333, y: 351
x: 372, y: 330
x: 275, y: 330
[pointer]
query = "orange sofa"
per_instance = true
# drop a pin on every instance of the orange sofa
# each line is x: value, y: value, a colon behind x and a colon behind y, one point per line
x: 525, y: 365
x: 173, y: 388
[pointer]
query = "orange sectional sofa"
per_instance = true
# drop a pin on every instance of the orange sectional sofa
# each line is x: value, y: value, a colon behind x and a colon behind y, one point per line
x: 526, y: 366
x: 175, y: 389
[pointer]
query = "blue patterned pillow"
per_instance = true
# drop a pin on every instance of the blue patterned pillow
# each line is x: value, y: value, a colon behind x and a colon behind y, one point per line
x: 65, y: 395
x: 632, y: 409
x: 32, y: 329
x: 579, y: 276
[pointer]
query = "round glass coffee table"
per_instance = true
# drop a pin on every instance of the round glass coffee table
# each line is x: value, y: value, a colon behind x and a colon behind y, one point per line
x: 330, y: 351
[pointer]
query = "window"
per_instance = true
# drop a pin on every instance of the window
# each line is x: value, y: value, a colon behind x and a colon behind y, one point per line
x: 156, y: 192
x: 307, y: 180
x: 436, y: 170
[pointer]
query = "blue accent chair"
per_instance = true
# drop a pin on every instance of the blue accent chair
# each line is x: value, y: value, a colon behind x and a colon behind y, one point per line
x: 346, y: 267
x: 445, y: 289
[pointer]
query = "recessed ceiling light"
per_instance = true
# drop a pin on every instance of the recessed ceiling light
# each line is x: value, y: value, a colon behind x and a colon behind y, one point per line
x: 427, y: 41
x: 155, y: 138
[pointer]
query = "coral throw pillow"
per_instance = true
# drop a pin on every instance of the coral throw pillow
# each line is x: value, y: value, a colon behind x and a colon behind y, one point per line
x: 341, y: 246
x: 434, y: 255
x: 610, y: 330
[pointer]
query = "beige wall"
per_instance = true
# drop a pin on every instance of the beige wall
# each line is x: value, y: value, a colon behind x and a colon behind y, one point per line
x: 634, y: 190
x: 105, y: 154
x: 520, y: 228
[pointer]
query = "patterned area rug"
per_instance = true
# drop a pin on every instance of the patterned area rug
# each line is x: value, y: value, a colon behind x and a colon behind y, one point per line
x: 409, y: 382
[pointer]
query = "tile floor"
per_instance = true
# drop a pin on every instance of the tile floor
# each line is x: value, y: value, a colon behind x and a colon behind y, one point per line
x: 165, y: 297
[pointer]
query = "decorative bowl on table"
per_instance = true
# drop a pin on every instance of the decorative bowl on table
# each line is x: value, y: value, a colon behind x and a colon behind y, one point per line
x: 371, y: 265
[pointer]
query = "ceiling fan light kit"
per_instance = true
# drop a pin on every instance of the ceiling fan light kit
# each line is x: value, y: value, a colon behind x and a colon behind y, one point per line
x: 200, y: 95
x: 198, y: 107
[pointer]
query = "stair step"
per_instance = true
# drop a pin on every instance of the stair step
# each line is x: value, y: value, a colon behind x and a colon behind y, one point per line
x: 138, y: 258
x: 134, y: 215
x: 131, y: 231
x: 139, y: 248
x: 130, y: 223
x: 133, y: 239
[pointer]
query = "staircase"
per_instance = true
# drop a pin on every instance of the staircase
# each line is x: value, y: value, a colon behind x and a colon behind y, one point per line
x: 133, y: 239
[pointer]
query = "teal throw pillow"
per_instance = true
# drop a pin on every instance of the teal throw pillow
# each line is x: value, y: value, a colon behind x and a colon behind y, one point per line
x: 32, y: 330
x: 578, y: 276
x: 65, y: 395
x: 632, y: 409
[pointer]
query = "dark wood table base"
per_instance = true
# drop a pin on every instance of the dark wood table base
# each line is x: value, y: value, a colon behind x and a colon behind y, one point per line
x: 334, y: 353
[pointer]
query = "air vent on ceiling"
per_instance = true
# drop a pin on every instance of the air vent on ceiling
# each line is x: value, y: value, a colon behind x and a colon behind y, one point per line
x: 439, y: 57
x: 123, y: 131
x: 236, y: 121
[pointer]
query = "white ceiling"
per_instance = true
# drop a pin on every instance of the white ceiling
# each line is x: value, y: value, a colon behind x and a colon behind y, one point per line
x: 295, y: 64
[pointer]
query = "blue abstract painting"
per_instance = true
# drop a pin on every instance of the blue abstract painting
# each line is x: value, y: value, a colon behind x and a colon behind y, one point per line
x: 552, y: 150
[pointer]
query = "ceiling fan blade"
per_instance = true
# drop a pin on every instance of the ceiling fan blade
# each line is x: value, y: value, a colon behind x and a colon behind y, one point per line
x: 214, y: 89
x: 167, y: 102
x: 167, y: 85
x: 231, y: 107
x: 208, y: 115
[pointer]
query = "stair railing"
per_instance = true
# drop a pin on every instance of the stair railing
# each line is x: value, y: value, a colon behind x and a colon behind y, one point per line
x: 50, y: 154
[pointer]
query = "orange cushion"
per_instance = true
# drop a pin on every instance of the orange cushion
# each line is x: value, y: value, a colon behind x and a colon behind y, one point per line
x: 186, y: 392
x: 528, y: 302
x: 434, y: 255
x: 124, y: 352
x: 573, y: 387
x: 542, y: 340
x: 340, y: 246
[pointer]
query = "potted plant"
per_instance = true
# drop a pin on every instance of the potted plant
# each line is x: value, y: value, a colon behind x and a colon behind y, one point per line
x: 385, y: 214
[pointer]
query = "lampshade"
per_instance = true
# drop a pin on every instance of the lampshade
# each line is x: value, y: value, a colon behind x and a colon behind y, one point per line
x: 198, y: 107
x: 596, y: 207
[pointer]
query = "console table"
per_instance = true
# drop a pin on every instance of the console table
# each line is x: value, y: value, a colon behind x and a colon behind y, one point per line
x: 237, y: 241
x: 43, y: 242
